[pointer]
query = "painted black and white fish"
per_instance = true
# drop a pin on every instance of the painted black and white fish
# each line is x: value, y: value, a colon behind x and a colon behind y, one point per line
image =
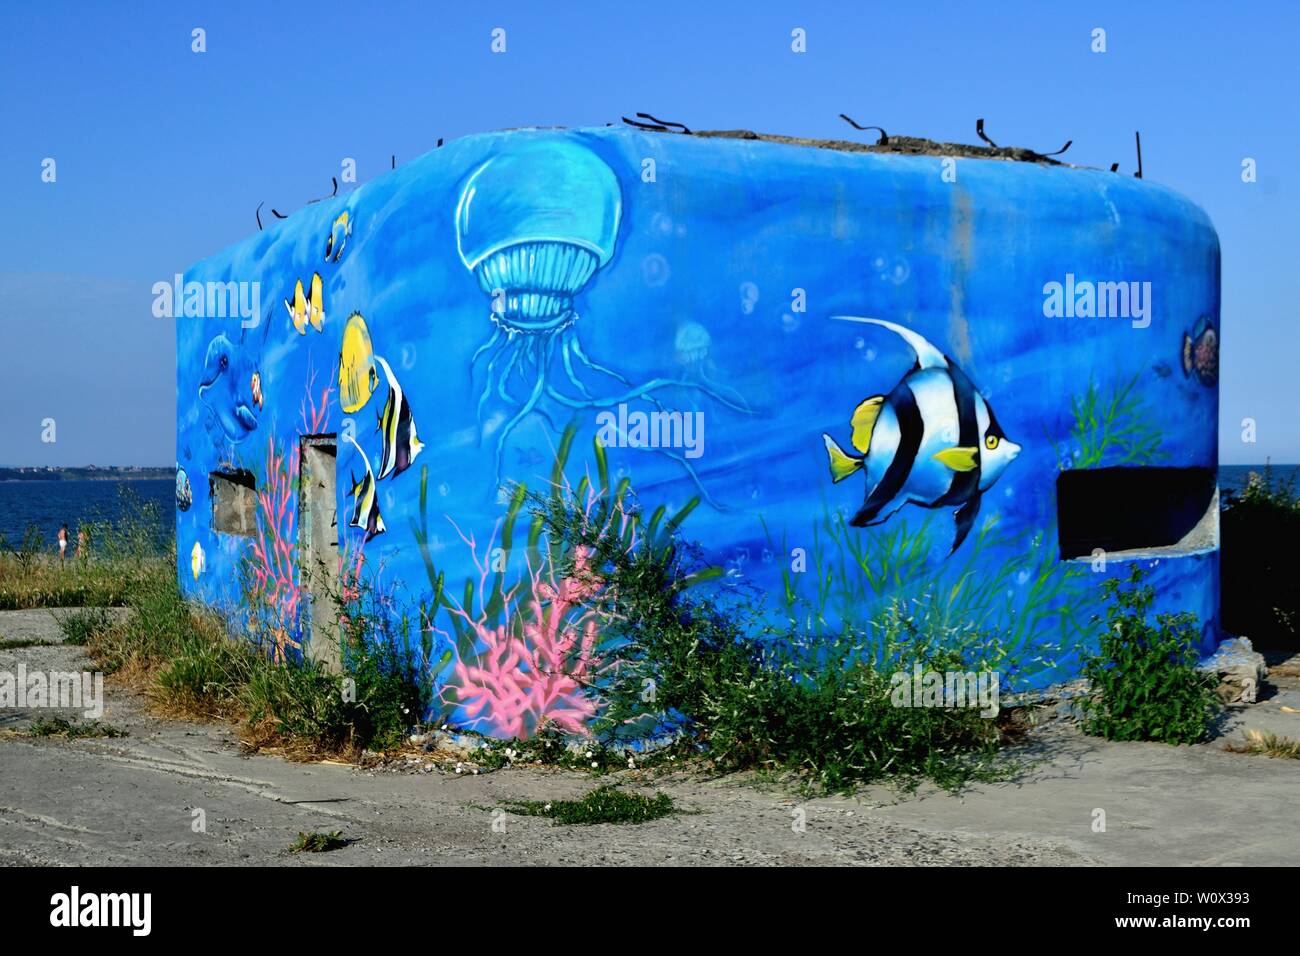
x: 933, y: 441
x: 365, y: 508
x: 400, y: 443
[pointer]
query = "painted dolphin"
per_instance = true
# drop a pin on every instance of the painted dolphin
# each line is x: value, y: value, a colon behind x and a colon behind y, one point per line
x: 933, y: 441
x: 230, y: 385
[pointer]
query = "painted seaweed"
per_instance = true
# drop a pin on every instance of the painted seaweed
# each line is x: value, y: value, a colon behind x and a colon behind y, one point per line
x: 527, y: 652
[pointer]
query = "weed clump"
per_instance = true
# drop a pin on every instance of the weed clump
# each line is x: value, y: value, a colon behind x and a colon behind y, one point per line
x: 71, y: 729
x: 605, y: 804
x: 79, y: 626
x: 316, y: 842
x: 1144, y: 678
x: 14, y: 643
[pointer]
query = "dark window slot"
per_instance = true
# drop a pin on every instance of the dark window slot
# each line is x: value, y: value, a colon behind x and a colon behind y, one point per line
x: 1132, y: 509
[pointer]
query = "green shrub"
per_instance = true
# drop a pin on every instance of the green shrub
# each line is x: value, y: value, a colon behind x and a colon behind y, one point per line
x: 207, y: 676
x: 302, y: 705
x: 1144, y: 678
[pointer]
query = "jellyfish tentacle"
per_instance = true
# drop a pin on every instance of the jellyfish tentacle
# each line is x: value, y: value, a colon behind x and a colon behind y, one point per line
x: 709, y: 386
x: 595, y: 366
x: 503, y: 382
x: 496, y: 337
x: 567, y: 344
x: 489, y: 383
x: 538, y: 389
x: 644, y: 392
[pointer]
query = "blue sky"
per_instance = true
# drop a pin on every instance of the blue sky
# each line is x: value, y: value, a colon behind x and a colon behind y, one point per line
x: 163, y: 154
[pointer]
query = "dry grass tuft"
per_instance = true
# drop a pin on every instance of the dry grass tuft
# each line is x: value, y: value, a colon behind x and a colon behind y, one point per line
x: 1267, y: 744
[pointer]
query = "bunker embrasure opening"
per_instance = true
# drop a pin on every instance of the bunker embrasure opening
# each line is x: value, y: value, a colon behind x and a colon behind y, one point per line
x: 234, y: 502
x: 1136, y: 509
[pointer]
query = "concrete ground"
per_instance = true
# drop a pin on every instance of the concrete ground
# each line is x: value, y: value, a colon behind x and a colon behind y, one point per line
x: 140, y: 800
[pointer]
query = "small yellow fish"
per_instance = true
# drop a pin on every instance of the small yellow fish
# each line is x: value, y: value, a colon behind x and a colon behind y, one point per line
x: 304, y: 310
x: 198, y: 561
x: 338, y: 237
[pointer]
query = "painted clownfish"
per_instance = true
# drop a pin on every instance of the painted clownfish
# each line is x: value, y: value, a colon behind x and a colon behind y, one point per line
x: 933, y: 441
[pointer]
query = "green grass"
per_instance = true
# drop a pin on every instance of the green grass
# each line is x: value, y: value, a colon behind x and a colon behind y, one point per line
x: 62, y: 727
x: 605, y: 804
x: 196, y: 664
x: 315, y: 842
x: 120, y: 554
x: 1112, y: 428
x: 853, y: 580
x: 100, y: 583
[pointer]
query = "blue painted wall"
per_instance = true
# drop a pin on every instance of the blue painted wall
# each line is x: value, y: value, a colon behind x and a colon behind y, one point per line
x: 687, y: 274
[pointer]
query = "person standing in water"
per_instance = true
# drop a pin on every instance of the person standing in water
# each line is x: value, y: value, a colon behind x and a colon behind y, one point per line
x: 63, y: 544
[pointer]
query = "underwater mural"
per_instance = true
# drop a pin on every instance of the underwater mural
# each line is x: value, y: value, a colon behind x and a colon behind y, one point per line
x: 769, y: 350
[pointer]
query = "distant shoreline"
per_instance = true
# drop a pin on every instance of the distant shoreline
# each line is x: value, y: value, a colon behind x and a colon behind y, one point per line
x: 128, y: 473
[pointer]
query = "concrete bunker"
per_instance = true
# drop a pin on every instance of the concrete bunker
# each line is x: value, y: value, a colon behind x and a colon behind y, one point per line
x: 896, y: 405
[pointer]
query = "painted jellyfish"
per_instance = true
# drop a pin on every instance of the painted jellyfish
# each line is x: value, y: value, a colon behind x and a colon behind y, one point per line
x: 691, y: 345
x: 534, y: 225
x: 691, y: 351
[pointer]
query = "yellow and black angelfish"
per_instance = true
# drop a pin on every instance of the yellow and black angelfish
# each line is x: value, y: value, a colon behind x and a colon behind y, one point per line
x: 397, y: 427
x: 306, y: 310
